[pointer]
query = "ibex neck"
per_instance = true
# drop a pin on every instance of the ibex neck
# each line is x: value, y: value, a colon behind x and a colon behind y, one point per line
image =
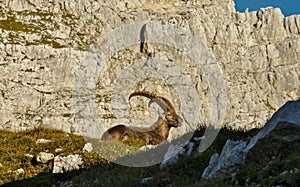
x: 163, y: 129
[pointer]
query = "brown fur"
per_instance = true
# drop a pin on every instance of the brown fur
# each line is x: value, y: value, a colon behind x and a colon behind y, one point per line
x: 154, y: 135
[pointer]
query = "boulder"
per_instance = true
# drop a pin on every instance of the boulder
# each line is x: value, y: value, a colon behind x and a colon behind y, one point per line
x: 232, y: 155
x: 67, y: 163
x: 284, y: 126
x: 172, y: 155
x: 290, y: 112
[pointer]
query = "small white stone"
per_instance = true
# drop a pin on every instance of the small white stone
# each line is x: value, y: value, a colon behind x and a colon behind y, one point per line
x: 199, y: 138
x: 42, y: 140
x: 58, y: 150
x: 147, y: 147
x: 20, y: 171
x: 146, y: 180
x: 88, y: 147
x: 29, y: 155
x: 44, y: 157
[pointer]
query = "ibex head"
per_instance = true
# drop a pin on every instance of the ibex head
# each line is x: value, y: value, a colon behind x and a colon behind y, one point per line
x: 170, y: 116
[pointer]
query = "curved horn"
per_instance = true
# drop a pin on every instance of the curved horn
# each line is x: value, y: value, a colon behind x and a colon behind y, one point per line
x: 159, y: 102
x: 164, y: 103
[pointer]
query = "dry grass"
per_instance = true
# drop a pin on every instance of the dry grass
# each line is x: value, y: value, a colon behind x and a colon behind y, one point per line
x: 15, y: 146
x: 99, y: 172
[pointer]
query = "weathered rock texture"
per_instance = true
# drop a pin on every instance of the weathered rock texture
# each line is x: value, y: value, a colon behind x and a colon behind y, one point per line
x: 279, y: 136
x: 43, y: 42
x: 232, y: 155
x: 66, y: 163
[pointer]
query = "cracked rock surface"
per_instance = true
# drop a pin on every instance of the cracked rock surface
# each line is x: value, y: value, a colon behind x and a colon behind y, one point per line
x: 42, y: 44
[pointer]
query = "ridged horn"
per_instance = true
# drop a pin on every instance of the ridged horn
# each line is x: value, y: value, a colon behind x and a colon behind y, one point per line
x: 164, y: 103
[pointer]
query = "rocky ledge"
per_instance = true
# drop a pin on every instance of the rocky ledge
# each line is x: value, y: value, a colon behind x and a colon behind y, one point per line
x: 278, y: 140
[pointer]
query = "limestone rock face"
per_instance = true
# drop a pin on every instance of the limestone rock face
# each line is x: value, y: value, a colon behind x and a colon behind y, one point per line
x: 279, y: 136
x: 43, y: 44
x: 287, y: 116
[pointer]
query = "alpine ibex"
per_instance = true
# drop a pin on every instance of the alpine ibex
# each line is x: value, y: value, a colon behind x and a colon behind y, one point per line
x: 153, y: 135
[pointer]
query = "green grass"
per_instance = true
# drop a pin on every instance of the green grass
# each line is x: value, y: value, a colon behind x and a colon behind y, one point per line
x: 99, y: 172
x: 14, y: 146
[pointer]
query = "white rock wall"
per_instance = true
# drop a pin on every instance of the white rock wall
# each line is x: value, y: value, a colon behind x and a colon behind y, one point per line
x: 42, y: 44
